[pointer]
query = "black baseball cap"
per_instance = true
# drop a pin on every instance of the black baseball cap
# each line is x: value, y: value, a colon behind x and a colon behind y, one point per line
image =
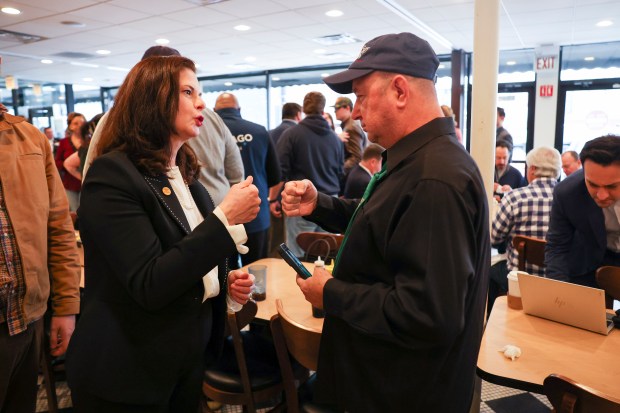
x: 403, y: 53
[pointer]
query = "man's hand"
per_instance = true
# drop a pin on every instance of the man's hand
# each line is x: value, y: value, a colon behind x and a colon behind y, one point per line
x: 61, y: 331
x: 276, y: 209
x: 299, y: 198
x: 242, y: 203
x: 344, y: 137
x: 313, y: 286
x: 240, y: 285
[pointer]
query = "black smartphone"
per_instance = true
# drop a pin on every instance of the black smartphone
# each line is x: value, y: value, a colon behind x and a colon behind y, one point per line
x: 293, y: 261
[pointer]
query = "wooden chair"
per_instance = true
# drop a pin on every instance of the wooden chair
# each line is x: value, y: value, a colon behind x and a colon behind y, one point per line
x: 567, y: 396
x: 302, y: 343
x: 608, y: 278
x: 531, y: 250
x: 319, y: 244
x: 247, y: 373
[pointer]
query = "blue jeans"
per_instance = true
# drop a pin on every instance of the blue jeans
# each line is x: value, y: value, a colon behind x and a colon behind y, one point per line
x: 295, y: 226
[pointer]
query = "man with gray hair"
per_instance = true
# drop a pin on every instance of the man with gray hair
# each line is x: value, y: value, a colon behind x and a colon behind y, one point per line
x: 524, y: 211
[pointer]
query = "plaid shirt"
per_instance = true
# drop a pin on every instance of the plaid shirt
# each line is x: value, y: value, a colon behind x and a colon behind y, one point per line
x: 12, y: 284
x: 524, y: 211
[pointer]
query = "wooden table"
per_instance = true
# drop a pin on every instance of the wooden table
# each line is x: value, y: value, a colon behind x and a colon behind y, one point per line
x: 547, y: 347
x: 281, y: 284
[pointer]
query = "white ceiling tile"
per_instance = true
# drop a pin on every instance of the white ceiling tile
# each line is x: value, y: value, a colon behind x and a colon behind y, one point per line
x: 200, y: 16
x: 159, y: 25
x: 249, y: 9
x: 283, y: 20
x: 110, y: 14
x: 154, y: 7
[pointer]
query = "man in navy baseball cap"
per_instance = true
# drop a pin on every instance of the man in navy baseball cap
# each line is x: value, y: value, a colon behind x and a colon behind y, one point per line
x: 403, y: 53
x: 404, y: 306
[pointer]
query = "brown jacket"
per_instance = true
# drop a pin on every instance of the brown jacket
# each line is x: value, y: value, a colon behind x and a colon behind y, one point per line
x: 354, y: 147
x: 39, y: 212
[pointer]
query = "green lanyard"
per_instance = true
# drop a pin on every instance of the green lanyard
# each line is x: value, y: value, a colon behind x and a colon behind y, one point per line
x: 369, y: 190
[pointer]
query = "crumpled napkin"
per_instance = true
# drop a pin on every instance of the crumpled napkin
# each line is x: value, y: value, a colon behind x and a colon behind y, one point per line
x: 511, y: 351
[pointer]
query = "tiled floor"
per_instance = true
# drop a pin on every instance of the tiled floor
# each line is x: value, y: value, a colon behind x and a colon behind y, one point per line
x: 498, y: 399
x: 495, y: 399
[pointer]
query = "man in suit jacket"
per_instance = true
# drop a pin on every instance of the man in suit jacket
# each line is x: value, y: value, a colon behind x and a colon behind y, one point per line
x: 360, y: 175
x: 584, y: 231
x: 291, y: 116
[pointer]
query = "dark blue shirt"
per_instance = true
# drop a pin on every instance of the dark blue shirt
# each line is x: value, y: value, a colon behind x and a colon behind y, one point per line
x: 259, y: 160
x: 311, y: 150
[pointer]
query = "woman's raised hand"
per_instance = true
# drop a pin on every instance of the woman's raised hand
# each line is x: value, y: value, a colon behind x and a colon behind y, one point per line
x: 242, y: 203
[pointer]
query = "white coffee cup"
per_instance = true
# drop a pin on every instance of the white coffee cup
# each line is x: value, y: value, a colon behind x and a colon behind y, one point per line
x: 514, y: 292
x: 513, y: 284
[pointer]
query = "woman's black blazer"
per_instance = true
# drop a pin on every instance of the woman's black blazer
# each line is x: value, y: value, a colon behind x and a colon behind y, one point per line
x: 143, y: 322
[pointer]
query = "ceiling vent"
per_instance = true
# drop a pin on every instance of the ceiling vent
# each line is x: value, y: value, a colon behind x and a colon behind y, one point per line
x: 75, y: 55
x: 17, y: 37
x: 333, y: 39
x: 205, y: 2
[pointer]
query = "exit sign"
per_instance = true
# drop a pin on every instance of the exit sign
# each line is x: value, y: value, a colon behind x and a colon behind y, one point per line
x: 545, y: 91
x: 546, y: 64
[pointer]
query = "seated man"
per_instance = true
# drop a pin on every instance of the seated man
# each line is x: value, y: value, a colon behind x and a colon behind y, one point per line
x: 360, y: 175
x: 507, y: 177
x: 570, y: 162
x: 584, y: 230
x: 524, y: 211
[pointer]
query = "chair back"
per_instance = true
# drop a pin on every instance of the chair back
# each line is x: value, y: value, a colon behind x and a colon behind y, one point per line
x: 248, y: 373
x: 236, y: 322
x: 608, y: 278
x: 531, y: 250
x: 567, y: 396
x: 319, y: 244
x: 301, y: 343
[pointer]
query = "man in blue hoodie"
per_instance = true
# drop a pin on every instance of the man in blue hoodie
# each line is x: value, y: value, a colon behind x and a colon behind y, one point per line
x: 310, y: 150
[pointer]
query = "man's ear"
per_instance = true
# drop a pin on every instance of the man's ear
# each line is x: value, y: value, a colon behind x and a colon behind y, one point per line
x: 400, y: 87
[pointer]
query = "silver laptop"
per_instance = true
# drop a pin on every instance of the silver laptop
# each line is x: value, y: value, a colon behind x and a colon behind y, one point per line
x: 566, y: 303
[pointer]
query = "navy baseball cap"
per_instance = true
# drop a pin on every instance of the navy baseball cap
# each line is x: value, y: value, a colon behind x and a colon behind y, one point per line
x: 403, y: 53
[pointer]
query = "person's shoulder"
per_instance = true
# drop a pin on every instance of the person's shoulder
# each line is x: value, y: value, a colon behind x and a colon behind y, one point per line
x: 514, y: 170
x: 110, y: 160
x: 571, y: 183
x: 13, y: 120
x: 519, y: 194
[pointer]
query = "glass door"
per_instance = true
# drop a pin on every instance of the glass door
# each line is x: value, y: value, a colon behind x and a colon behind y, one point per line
x: 590, y: 113
x: 518, y: 102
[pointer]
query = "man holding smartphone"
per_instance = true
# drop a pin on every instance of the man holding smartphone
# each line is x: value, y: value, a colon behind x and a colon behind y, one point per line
x: 405, y: 306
